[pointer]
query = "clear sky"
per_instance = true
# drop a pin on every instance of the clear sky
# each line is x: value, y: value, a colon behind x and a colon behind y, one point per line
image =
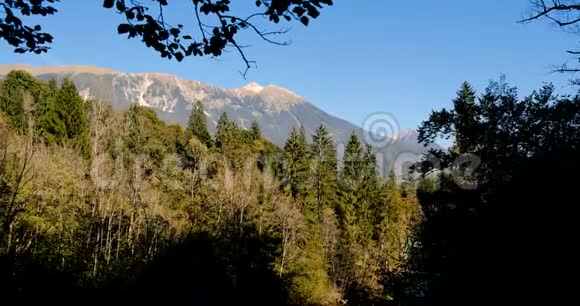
x: 406, y: 57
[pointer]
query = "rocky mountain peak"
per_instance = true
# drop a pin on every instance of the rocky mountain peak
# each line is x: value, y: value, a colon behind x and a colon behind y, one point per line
x: 252, y: 88
x: 277, y: 109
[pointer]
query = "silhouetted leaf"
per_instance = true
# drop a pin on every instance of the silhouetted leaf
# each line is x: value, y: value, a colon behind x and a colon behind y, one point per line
x: 299, y: 11
x: 108, y: 3
x: 179, y: 56
x: 129, y: 14
x: 121, y: 6
x: 123, y: 28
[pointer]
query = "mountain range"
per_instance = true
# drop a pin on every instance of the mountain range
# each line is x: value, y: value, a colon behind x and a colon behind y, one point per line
x: 275, y: 108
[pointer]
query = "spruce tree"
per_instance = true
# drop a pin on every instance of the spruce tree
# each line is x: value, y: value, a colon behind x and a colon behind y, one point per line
x: 48, y: 123
x: 255, y: 131
x: 322, y: 154
x: 225, y: 131
x: 296, y: 162
x: 466, y: 118
x: 249, y: 136
x: 350, y: 178
x: 197, y: 125
x: 357, y: 193
x: 359, y: 189
x: 71, y: 110
x: 353, y: 159
x: 371, y: 188
x: 232, y: 141
x: 372, y: 195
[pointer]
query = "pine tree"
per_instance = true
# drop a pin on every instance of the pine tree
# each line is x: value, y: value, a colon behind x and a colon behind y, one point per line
x: 350, y: 178
x: 296, y: 162
x: 353, y: 160
x: 360, y: 189
x: 255, y: 130
x: 232, y: 141
x: 71, y: 110
x: 48, y: 123
x: 197, y: 125
x: 249, y: 136
x: 225, y: 131
x: 466, y: 118
x: 358, y: 193
x: 322, y: 156
x: 373, y: 195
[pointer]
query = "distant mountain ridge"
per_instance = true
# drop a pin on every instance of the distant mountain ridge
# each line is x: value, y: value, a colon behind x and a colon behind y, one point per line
x: 275, y: 108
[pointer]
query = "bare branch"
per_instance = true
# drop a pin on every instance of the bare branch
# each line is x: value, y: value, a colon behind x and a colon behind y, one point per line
x: 260, y: 33
x: 567, y: 70
x: 542, y: 10
x: 565, y: 14
x: 199, y: 21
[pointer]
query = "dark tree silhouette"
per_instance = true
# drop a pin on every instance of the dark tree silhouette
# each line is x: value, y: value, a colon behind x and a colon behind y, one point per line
x: 493, y: 244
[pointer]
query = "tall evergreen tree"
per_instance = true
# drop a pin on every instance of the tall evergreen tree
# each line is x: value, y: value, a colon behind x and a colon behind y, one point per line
x: 466, y: 118
x: 255, y: 130
x: 197, y: 125
x: 371, y: 189
x: 322, y: 156
x: 353, y: 159
x: 296, y: 162
x: 48, y: 123
x: 71, y: 110
x: 225, y: 131
x: 360, y: 189
x: 350, y: 178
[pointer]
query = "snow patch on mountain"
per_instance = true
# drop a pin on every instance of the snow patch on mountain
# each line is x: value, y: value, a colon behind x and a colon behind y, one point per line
x: 406, y: 134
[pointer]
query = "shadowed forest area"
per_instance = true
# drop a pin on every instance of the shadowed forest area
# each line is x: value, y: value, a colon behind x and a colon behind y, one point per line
x: 118, y: 206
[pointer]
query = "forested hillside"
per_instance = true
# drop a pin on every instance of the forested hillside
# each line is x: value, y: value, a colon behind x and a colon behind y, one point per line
x: 105, y: 202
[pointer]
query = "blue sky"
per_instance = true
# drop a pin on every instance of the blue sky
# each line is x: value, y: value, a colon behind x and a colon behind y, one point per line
x: 406, y: 57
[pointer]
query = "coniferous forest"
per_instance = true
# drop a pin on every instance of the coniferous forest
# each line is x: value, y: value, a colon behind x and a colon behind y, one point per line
x: 108, y: 206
